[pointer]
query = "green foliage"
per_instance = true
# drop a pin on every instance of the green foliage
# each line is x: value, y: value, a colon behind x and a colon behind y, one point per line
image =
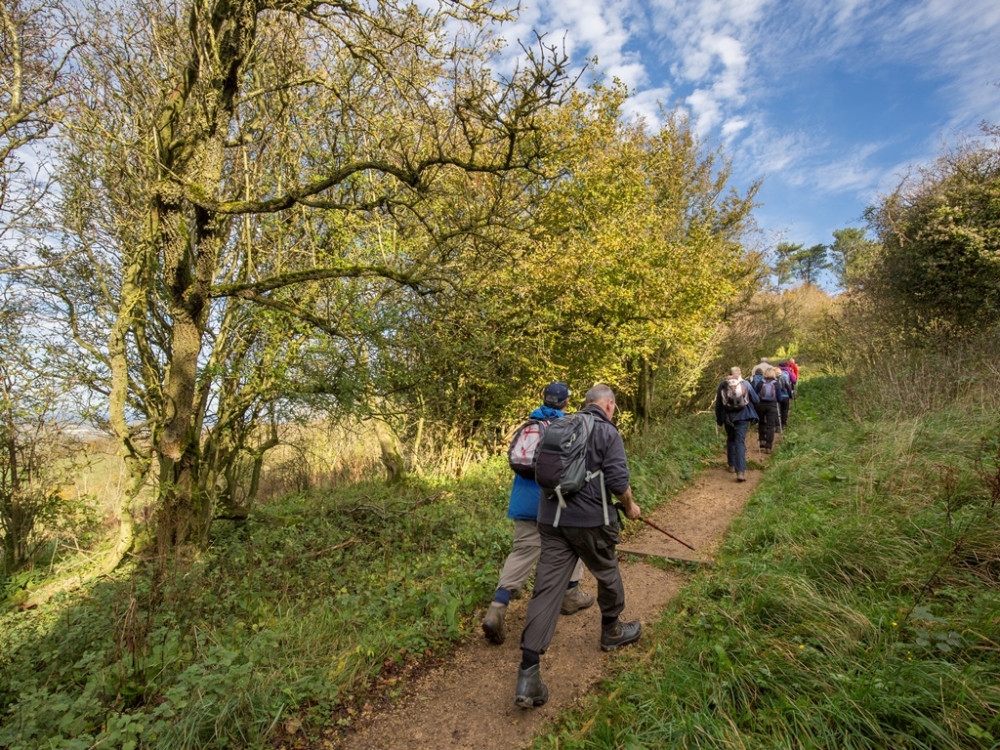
x: 795, y: 262
x: 854, y: 605
x: 38, y: 458
x: 888, y: 376
x: 620, y: 268
x: 246, y: 213
x: 940, y: 241
x: 851, y: 254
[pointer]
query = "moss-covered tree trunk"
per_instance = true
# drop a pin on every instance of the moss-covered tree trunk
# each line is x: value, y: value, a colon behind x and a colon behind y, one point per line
x: 185, y: 241
x: 392, y: 458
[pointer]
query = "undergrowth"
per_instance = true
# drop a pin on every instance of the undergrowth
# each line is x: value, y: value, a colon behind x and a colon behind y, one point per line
x: 289, y: 621
x: 856, y: 603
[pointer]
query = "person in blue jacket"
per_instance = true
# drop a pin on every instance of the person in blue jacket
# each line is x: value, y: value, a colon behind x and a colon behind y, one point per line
x: 736, y: 419
x: 523, y: 510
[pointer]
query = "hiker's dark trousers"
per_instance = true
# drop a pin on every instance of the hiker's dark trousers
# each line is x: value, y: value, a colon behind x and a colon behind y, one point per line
x: 561, y: 546
x: 736, y: 444
x: 768, y: 413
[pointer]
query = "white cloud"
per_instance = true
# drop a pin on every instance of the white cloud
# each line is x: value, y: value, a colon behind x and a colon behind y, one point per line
x: 646, y: 105
x: 595, y: 25
x: 959, y: 39
x: 632, y: 74
x: 852, y: 173
x: 767, y: 152
x: 706, y: 110
x: 731, y: 127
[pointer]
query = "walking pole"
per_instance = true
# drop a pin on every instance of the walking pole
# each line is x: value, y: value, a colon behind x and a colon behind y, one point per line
x: 760, y: 436
x: 667, y: 533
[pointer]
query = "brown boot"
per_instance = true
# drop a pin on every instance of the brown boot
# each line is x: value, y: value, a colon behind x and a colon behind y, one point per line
x: 619, y: 634
x: 493, y: 623
x: 574, y: 600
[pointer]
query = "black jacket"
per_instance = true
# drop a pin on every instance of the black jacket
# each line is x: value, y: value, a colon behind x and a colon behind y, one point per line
x: 605, y: 452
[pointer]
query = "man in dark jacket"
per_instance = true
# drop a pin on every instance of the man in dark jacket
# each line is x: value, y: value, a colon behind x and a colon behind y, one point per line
x: 735, y: 420
x: 523, y: 510
x: 585, y: 530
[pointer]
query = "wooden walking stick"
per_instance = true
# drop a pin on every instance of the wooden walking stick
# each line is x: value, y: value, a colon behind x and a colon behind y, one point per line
x: 666, y: 533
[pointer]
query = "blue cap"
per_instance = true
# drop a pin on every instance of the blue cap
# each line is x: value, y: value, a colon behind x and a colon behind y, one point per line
x: 556, y: 394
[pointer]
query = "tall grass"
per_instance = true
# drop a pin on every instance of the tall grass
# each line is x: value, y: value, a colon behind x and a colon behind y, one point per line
x: 891, y: 375
x: 856, y: 603
x: 290, y: 621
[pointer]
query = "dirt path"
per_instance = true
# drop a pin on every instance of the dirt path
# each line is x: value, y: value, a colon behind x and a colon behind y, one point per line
x: 469, y: 701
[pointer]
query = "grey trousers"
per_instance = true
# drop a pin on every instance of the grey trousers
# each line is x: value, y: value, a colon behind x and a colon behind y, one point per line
x: 523, y: 556
x: 561, y: 546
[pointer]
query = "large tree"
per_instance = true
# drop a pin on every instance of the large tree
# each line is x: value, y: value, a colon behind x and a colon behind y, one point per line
x: 939, y: 231
x: 797, y: 262
x: 229, y: 154
x: 850, y: 254
x: 630, y: 249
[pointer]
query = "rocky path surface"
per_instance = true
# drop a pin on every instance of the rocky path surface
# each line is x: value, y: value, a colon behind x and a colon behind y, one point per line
x: 468, y: 702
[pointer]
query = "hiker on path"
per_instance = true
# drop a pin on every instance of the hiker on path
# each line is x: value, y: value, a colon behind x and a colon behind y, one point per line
x: 794, y: 368
x: 769, y: 391
x: 734, y: 410
x: 760, y: 367
x: 522, y: 508
x: 787, y: 394
x: 580, y: 527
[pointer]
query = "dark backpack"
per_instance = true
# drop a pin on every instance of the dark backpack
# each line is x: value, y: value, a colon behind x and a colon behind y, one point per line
x: 787, y: 389
x: 524, y: 444
x: 735, y: 395
x: 769, y: 390
x: 561, y: 459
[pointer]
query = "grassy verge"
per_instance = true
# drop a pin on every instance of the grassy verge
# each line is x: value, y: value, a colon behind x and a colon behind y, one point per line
x: 857, y: 603
x: 288, y: 622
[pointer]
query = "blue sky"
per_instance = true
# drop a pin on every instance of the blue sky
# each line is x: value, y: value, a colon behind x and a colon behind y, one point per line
x: 827, y: 102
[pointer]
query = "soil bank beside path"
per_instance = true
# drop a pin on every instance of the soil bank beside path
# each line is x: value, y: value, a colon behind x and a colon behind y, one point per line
x: 468, y: 702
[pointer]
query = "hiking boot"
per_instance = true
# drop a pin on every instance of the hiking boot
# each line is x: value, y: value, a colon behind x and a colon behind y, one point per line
x: 530, y: 692
x: 619, y: 634
x: 493, y: 623
x: 741, y: 476
x: 574, y: 600
x: 730, y: 469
